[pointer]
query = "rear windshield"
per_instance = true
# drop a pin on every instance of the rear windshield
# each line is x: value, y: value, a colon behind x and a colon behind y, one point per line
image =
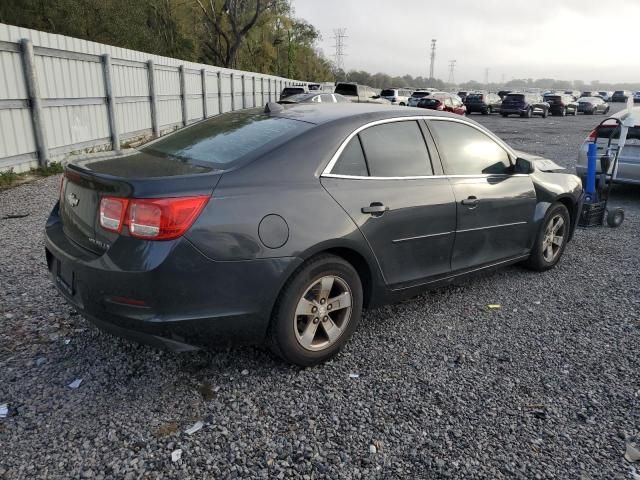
x: 291, y: 91
x: 515, y: 96
x: 346, y: 89
x: 223, y: 140
x: 619, y: 92
x: 420, y: 94
x: 552, y: 97
x: 429, y: 102
x: 475, y: 97
x: 606, y: 131
x: 388, y: 93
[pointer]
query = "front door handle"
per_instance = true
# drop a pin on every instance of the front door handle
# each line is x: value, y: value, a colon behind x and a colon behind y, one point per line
x: 376, y: 209
x: 471, y: 202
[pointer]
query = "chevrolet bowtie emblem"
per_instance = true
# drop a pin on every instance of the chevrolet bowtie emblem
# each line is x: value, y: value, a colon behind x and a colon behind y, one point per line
x: 73, y: 199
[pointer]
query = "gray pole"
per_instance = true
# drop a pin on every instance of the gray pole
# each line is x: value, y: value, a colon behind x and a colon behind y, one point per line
x: 262, y: 90
x: 205, y: 114
x: 219, y: 92
x: 244, y: 96
x: 28, y: 63
x: 183, y: 95
x: 111, y: 105
x: 233, y: 93
x: 153, y: 99
x: 253, y: 88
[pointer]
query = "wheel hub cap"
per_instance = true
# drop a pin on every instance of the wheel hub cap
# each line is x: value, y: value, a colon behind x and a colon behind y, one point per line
x: 323, y: 313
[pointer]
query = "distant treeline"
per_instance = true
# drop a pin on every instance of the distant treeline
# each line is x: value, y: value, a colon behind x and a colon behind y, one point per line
x: 382, y: 80
x: 256, y: 35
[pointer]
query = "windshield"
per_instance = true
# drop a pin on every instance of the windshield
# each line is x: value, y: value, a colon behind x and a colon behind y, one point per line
x: 388, y: 93
x: 222, y: 140
x: 347, y: 89
x: 291, y: 91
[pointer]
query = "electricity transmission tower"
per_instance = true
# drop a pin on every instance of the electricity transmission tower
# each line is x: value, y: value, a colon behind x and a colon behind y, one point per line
x: 339, y: 34
x: 433, y: 58
x: 452, y: 67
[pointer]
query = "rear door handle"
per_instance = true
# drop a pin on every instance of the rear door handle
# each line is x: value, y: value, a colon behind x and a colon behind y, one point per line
x: 471, y: 202
x: 376, y: 209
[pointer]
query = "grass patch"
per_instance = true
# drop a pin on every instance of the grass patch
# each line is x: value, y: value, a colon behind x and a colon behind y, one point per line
x: 9, y: 178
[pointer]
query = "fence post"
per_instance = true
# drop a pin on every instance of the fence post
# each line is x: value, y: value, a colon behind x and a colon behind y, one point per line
x: 203, y: 73
x: 111, y: 105
x: 262, y: 90
x: 233, y: 92
x: 244, y: 99
x: 33, y: 91
x: 253, y: 87
x: 183, y: 95
x: 219, y: 92
x: 153, y: 99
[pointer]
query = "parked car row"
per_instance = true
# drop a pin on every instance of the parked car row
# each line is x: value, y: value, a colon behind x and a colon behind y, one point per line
x: 506, y: 103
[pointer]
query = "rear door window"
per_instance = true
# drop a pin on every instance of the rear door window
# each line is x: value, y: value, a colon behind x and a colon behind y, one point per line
x: 396, y: 149
x: 468, y: 151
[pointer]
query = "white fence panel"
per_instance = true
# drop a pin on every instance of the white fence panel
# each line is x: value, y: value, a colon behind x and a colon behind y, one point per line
x: 55, y: 99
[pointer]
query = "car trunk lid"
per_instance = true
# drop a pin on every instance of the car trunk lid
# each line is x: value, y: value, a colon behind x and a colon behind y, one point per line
x: 139, y: 175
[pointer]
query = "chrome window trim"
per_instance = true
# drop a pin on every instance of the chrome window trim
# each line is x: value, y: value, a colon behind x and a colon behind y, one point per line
x: 327, y: 170
x: 423, y: 177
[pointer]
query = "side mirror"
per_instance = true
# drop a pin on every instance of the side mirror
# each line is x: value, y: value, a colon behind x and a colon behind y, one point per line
x: 522, y: 166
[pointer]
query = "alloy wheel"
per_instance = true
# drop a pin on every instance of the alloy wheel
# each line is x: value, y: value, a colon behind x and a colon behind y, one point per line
x: 323, y: 313
x: 553, y: 238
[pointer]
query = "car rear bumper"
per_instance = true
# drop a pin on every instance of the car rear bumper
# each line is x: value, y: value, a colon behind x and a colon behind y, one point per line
x: 513, y: 110
x: 170, y: 294
x: 478, y: 107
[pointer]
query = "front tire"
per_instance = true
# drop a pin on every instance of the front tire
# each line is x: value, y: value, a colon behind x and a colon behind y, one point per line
x: 551, y: 239
x: 317, y: 311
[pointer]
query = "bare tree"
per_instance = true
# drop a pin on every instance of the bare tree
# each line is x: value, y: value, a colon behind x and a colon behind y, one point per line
x: 228, y: 25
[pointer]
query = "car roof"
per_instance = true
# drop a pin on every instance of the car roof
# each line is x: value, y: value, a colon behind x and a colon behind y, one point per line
x: 325, y: 113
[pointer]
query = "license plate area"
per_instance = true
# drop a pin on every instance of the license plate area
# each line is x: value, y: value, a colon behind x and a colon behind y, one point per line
x: 65, y: 277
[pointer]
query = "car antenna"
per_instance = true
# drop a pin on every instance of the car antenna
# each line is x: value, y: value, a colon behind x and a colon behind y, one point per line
x: 273, y: 107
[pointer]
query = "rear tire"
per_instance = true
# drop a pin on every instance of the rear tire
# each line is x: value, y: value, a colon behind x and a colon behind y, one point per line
x: 563, y: 112
x: 307, y: 328
x: 504, y: 115
x: 544, y: 113
x: 551, y: 239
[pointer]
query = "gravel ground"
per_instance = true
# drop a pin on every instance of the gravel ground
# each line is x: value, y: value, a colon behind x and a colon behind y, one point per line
x: 547, y: 386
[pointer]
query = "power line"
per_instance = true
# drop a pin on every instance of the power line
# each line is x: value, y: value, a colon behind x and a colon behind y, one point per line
x: 452, y: 67
x: 433, y: 58
x: 339, y: 34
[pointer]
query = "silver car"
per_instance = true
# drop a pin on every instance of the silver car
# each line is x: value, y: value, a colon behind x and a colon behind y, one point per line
x: 629, y: 161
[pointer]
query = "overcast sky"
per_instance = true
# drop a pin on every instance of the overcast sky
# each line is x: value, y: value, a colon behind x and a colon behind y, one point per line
x: 563, y: 39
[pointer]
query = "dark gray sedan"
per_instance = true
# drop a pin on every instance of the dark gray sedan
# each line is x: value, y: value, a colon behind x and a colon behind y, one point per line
x: 281, y: 227
x: 592, y: 105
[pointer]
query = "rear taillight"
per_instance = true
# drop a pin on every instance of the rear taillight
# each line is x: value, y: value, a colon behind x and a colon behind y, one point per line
x: 112, y: 211
x: 151, y: 218
x: 593, y: 135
